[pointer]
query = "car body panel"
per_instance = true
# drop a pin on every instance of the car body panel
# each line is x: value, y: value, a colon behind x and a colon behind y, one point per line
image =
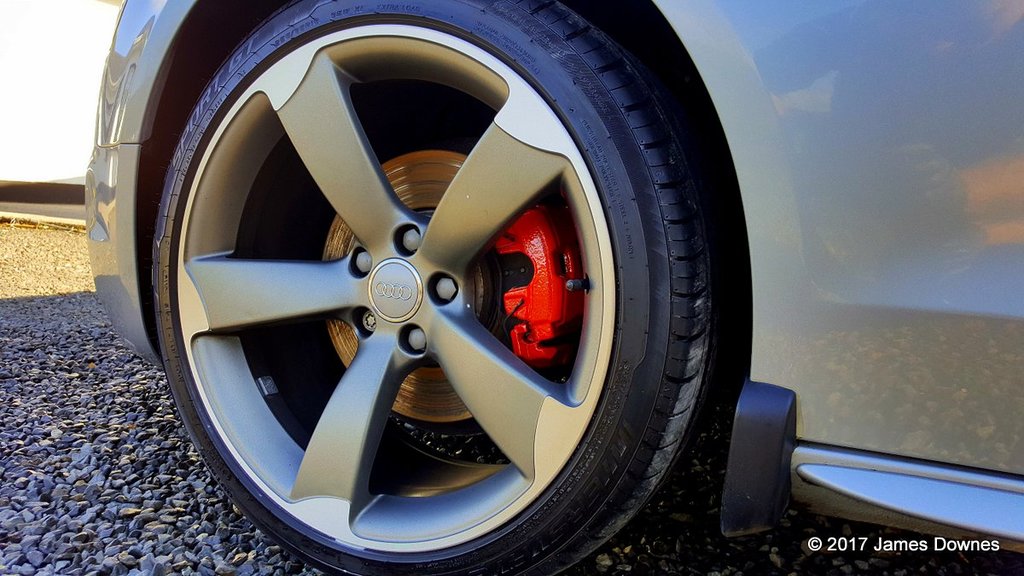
x: 951, y: 501
x: 884, y: 196
x: 138, y: 57
x: 883, y: 193
x: 110, y: 220
x: 131, y: 78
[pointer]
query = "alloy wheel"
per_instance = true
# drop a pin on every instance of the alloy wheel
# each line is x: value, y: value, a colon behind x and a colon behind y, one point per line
x: 408, y: 289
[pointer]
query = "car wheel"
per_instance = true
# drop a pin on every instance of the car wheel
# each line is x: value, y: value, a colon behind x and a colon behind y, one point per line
x: 432, y: 285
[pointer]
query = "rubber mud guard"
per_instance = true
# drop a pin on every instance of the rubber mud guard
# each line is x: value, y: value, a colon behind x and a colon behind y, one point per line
x: 757, y: 480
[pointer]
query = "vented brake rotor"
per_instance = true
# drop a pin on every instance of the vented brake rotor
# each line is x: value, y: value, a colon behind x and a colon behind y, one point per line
x: 420, y: 180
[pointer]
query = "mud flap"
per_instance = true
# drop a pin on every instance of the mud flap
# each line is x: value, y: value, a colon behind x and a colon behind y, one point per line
x: 757, y: 480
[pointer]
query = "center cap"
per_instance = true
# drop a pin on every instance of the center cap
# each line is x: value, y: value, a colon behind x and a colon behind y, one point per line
x: 395, y: 290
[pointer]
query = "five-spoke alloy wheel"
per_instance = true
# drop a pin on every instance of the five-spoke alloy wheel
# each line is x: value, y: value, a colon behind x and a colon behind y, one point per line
x: 432, y: 285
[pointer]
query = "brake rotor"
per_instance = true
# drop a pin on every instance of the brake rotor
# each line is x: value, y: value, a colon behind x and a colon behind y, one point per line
x: 420, y: 180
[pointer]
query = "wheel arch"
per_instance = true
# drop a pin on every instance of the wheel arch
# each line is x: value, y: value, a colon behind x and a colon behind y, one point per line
x: 204, y: 37
x: 211, y: 30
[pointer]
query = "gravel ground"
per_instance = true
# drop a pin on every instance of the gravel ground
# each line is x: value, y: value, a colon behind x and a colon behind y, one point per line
x: 97, y: 476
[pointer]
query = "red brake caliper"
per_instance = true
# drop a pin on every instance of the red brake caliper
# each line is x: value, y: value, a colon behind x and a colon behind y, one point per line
x: 548, y: 314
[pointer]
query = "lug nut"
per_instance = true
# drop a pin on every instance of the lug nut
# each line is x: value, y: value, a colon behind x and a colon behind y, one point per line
x: 364, y: 261
x: 369, y: 321
x: 417, y: 340
x: 412, y: 239
x: 446, y: 289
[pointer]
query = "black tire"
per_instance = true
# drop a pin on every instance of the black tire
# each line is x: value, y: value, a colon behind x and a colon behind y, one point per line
x: 665, y: 329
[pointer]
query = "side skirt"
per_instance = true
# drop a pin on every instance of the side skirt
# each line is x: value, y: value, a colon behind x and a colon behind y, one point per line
x: 909, y: 493
x: 767, y: 466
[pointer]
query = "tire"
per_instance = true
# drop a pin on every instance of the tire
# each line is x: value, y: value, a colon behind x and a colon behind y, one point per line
x: 280, y: 245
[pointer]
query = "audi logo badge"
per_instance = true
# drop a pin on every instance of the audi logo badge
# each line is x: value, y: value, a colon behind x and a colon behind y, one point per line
x: 393, y: 291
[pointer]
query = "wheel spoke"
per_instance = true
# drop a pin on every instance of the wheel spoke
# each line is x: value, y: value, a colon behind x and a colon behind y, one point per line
x: 503, y: 393
x: 237, y: 293
x: 501, y: 177
x: 340, y: 454
x: 325, y: 130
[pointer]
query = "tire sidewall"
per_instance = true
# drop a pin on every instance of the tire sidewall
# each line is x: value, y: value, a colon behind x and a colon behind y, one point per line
x: 624, y: 182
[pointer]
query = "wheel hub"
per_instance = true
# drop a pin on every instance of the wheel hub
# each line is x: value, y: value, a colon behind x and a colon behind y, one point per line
x: 396, y: 290
x: 420, y: 180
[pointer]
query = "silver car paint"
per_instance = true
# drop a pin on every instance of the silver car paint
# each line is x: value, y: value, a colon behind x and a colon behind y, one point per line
x: 110, y: 225
x: 879, y: 149
x: 880, y: 153
x: 145, y: 31
x: 143, y: 36
x: 972, y: 502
